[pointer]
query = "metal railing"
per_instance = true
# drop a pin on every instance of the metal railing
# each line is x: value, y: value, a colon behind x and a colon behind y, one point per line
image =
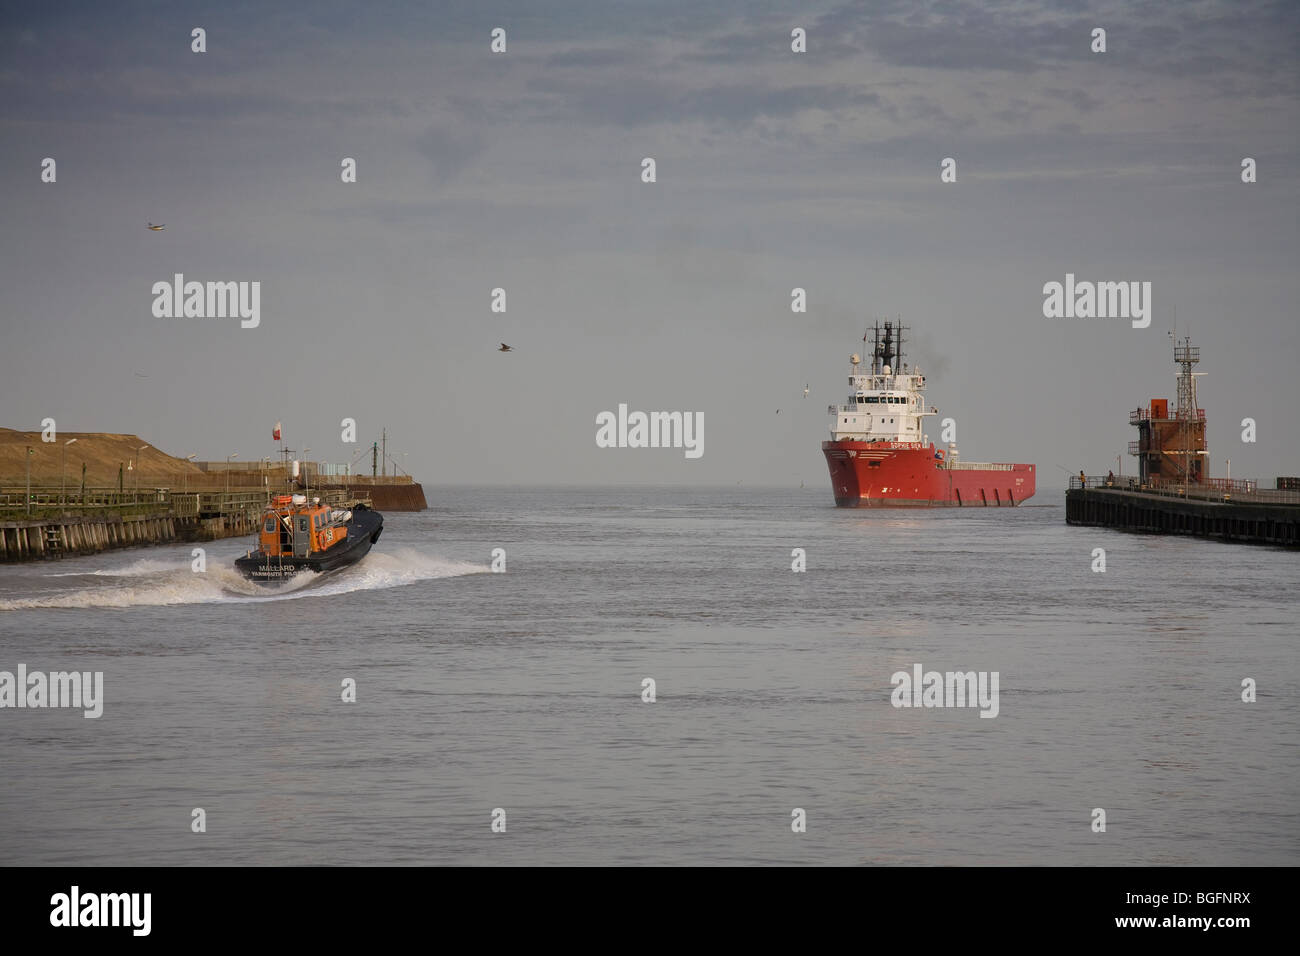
x: 957, y: 465
x: 1144, y: 415
x: 1211, y: 489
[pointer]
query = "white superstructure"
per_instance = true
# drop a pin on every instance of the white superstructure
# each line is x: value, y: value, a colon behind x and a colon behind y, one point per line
x: 884, y: 403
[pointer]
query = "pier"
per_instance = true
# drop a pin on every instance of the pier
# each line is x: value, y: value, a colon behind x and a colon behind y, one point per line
x: 1173, y: 492
x: 44, y: 523
x: 1216, y: 508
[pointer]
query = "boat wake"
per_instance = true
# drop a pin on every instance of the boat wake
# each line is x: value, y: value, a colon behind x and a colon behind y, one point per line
x: 174, y: 583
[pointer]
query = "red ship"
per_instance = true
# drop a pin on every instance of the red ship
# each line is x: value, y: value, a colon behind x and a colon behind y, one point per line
x: 879, y: 457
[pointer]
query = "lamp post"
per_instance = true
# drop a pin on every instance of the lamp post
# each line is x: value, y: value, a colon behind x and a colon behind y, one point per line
x: 28, y: 502
x: 190, y: 459
x: 137, y: 473
x: 228, y: 458
x: 63, y: 474
x: 306, y: 481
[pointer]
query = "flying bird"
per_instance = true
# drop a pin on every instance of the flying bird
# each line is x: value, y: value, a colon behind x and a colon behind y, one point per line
x: 506, y: 348
x: 157, y: 228
x: 142, y: 374
x: 778, y: 411
x: 805, y: 391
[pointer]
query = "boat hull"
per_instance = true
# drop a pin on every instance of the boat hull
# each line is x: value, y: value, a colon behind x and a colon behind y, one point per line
x: 909, y: 475
x: 363, y: 531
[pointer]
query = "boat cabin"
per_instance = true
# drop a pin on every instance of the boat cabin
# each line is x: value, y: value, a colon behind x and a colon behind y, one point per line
x: 291, y: 526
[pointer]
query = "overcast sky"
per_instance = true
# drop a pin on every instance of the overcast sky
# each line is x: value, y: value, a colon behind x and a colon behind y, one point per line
x: 522, y: 170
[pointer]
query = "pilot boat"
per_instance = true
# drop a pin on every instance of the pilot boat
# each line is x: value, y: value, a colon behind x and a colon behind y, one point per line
x: 296, y: 536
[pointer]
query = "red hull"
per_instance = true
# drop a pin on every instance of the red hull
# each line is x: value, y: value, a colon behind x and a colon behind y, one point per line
x: 905, y: 474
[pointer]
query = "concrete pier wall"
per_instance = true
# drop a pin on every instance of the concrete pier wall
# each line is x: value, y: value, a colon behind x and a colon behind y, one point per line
x: 391, y: 495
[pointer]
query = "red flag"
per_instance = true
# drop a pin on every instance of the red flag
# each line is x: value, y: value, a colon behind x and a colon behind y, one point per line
x: 276, y: 434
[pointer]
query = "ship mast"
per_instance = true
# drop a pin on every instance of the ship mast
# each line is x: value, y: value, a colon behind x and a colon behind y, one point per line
x: 886, y: 352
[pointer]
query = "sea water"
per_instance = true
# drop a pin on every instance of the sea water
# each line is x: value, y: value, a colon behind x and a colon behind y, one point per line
x: 522, y: 698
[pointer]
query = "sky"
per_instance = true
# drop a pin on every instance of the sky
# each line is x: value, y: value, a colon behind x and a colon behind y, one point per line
x: 522, y: 170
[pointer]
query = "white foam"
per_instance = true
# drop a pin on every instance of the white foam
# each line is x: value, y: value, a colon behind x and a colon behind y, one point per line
x: 175, y: 584
x: 135, y: 569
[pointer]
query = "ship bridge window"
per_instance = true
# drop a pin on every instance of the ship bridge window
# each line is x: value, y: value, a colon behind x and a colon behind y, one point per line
x: 270, y: 524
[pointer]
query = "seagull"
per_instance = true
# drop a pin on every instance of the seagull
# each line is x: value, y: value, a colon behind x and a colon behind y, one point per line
x: 778, y: 411
x: 142, y: 374
x: 506, y: 348
x: 805, y: 391
x: 157, y: 228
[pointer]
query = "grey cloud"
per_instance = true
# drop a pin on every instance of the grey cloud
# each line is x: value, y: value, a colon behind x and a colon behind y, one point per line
x: 1081, y: 100
x: 450, y: 149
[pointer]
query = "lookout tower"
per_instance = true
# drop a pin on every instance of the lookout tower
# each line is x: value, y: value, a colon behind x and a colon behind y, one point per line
x: 1172, y: 449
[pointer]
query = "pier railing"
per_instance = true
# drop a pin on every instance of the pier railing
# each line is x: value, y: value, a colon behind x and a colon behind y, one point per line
x: 17, y: 502
x: 1211, y: 489
x: 93, y: 499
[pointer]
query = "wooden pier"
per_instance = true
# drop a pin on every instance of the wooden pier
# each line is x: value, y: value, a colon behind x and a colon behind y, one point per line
x: 1227, y: 510
x: 49, y: 524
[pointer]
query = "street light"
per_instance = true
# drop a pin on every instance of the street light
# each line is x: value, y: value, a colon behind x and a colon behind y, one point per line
x: 138, y: 474
x: 189, y: 458
x: 63, y: 477
x: 228, y: 458
x: 306, y: 481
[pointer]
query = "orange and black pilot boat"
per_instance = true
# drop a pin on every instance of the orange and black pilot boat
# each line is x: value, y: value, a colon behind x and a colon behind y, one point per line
x: 297, y: 536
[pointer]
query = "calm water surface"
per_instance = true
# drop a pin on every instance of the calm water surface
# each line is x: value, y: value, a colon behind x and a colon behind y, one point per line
x: 522, y: 691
